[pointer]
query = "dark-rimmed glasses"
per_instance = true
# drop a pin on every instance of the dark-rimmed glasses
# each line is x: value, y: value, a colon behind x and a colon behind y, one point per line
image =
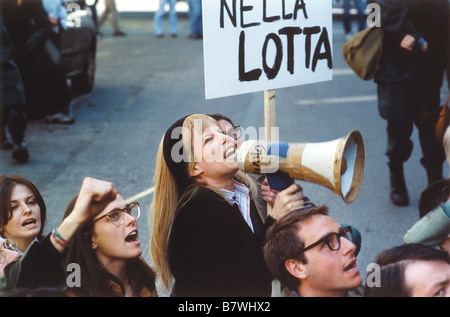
x: 234, y: 132
x: 116, y: 216
x: 333, y: 239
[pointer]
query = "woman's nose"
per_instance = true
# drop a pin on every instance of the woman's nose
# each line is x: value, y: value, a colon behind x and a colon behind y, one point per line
x: 129, y: 219
x: 25, y: 209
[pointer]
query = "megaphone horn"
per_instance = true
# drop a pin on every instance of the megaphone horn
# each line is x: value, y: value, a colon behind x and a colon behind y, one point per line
x: 337, y: 165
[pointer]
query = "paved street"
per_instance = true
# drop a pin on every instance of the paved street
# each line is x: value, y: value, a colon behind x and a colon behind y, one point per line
x: 143, y: 84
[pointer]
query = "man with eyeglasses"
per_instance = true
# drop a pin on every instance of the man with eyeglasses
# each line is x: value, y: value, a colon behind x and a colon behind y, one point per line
x: 312, y: 255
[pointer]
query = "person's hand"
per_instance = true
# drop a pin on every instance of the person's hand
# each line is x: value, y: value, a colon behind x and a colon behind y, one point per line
x: 93, y: 197
x: 267, y: 194
x: 53, y: 20
x: 287, y: 200
x: 408, y: 42
x: 424, y: 47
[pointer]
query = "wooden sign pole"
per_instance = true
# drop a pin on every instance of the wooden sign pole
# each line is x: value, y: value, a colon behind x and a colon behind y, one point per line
x: 270, y: 119
x: 270, y: 122
x: 269, y: 113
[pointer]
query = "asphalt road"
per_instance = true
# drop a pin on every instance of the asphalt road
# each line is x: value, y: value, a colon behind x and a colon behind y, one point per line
x: 143, y: 84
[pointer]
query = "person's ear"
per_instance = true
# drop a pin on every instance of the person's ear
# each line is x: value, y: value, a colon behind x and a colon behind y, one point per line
x: 196, y: 170
x: 296, y: 268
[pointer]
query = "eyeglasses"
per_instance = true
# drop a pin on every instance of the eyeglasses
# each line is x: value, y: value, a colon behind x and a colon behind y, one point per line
x: 116, y: 216
x: 333, y: 239
x: 234, y: 132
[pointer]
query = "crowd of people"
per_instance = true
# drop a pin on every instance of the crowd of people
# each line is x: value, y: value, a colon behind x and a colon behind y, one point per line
x: 33, y: 77
x: 216, y: 231
x: 210, y: 235
x: 33, y: 81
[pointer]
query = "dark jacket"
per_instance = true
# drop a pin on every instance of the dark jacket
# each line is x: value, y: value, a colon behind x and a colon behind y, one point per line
x: 424, y: 20
x: 11, y: 86
x: 213, y: 252
x: 27, y: 24
x: 39, y: 266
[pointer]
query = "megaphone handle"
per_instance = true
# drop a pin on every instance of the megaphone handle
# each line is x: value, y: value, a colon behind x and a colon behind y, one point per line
x: 279, y: 180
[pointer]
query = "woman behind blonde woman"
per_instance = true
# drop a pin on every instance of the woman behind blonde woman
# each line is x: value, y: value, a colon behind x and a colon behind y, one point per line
x: 206, y: 233
x: 98, y: 233
x: 40, y: 265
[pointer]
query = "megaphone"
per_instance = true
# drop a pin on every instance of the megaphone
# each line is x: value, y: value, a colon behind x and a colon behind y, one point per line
x: 337, y: 165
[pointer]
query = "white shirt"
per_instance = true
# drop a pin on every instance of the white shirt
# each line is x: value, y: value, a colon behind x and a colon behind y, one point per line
x: 241, y: 197
x: 56, y: 9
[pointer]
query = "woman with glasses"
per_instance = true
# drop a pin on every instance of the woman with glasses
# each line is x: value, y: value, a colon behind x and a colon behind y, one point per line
x: 207, y: 234
x: 108, y: 252
x: 98, y: 236
x: 22, y: 217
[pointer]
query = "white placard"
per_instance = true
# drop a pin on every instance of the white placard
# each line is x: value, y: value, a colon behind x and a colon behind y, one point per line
x: 256, y: 45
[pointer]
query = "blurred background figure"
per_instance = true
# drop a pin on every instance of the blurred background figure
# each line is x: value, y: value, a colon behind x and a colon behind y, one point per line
x: 360, y: 6
x: 110, y: 8
x: 58, y: 93
x: 12, y: 101
x: 408, y: 85
x: 158, y: 19
x: 29, y: 28
x: 25, y: 29
x: 195, y: 19
x: 92, y: 4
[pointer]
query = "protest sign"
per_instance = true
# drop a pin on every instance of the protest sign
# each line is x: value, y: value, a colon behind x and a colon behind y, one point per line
x: 257, y: 45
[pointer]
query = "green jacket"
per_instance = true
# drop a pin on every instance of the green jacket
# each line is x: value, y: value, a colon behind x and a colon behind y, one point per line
x: 432, y: 229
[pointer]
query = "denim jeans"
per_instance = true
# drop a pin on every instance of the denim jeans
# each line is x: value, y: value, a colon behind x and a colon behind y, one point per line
x: 195, y: 17
x: 157, y: 24
x: 361, y: 7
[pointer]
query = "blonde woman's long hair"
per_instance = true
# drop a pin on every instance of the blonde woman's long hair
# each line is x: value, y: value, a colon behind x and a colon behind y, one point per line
x: 166, y: 198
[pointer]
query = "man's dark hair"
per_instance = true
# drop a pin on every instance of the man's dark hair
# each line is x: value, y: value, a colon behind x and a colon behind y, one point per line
x: 436, y: 193
x: 393, y: 263
x: 283, y: 243
x: 219, y: 116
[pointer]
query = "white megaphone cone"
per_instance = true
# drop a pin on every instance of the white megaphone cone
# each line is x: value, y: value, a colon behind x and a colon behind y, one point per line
x: 337, y: 165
